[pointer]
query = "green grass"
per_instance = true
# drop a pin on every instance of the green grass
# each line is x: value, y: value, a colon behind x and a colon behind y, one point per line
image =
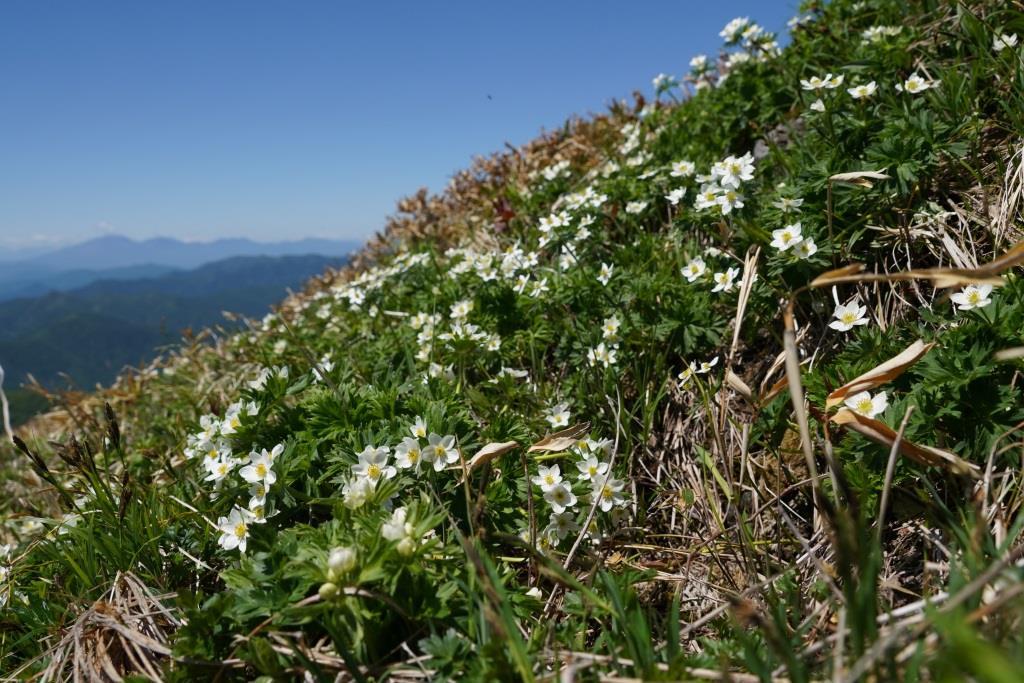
x: 720, y: 551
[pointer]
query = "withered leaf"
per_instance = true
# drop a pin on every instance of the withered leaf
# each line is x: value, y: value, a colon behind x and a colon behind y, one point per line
x: 560, y: 441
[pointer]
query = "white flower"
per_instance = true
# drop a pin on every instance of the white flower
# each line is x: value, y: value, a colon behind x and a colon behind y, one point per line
x: 729, y: 200
x: 560, y: 525
x: 560, y: 497
x: 342, y: 560
x: 676, y: 195
x: 734, y: 171
x: 356, y: 492
x: 877, y: 33
x: 787, y: 204
x: 734, y: 29
x: 1003, y: 41
x: 806, y: 248
x: 373, y: 464
x: 860, y: 92
x: 547, y: 477
x: 972, y: 296
x: 915, y: 84
x: 258, y: 495
x: 847, y: 316
x: 867, y: 405
x: 408, y: 454
x: 606, y: 273
x: 234, y: 414
x: 234, y: 529
x: 687, y: 374
x: 662, y: 82
x: 699, y: 63
x: 724, y: 282
x: 707, y: 197
x: 706, y: 366
x: 784, y: 238
x: 829, y: 82
x: 395, y: 528
x: 682, y: 169
x: 634, y: 208
x: 590, y: 468
x: 694, y: 269
x: 259, y: 469
x: 461, y: 309
x: 608, y: 491
x: 610, y: 328
x: 559, y: 415
x: 419, y: 428
x: 441, y: 451
x: 218, y: 468
x: 605, y: 355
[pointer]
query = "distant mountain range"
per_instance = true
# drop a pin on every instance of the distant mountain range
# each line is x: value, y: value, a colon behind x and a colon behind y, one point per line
x: 85, y: 312
x: 114, y: 257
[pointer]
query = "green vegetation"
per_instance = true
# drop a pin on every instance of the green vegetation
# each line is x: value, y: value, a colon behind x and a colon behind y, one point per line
x: 367, y: 487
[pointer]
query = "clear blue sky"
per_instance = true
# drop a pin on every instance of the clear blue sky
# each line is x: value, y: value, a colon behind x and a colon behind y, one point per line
x: 287, y: 119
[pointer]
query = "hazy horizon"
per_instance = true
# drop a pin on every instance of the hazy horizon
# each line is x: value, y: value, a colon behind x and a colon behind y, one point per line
x: 200, y: 121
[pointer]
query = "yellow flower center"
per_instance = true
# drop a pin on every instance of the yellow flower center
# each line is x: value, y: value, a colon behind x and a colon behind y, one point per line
x: 414, y: 455
x: 439, y: 450
x: 261, y: 470
x: 606, y: 492
x: 235, y: 422
x: 864, y: 406
x: 373, y: 471
x: 212, y: 453
x: 848, y: 318
x: 240, y: 530
x: 787, y: 236
x: 592, y: 470
x: 548, y: 479
x: 974, y: 296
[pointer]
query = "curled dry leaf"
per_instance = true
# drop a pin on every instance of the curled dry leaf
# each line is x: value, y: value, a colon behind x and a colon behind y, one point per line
x: 941, y: 278
x: 739, y: 386
x: 881, y: 433
x: 861, y: 178
x: 1009, y: 354
x: 560, y: 441
x: 881, y: 374
x: 487, y: 454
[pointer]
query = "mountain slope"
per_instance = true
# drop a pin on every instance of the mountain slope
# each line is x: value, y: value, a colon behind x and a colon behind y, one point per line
x: 762, y: 468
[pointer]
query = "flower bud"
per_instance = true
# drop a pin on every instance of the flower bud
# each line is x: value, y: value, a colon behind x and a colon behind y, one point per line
x: 328, y: 591
x: 342, y: 560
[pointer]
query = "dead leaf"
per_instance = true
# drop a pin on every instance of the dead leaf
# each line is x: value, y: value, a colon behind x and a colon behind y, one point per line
x: 881, y: 433
x: 738, y: 385
x: 941, y: 278
x: 560, y: 441
x: 487, y: 454
x: 775, y: 390
x: 881, y: 374
x: 860, y: 178
x: 1009, y: 354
